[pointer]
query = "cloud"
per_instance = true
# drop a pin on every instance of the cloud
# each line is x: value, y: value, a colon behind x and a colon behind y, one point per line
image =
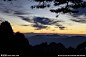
x: 79, y: 20
x: 12, y: 10
x: 35, y: 23
x: 39, y: 26
x: 48, y: 28
x: 62, y: 28
x: 81, y: 12
x: 2, y: 19
x: 24, y: 25
x: 40, y: 22
x: 53, y: 30
x: 20, y: 13
x: 58, y: 25
x: 25, y: 19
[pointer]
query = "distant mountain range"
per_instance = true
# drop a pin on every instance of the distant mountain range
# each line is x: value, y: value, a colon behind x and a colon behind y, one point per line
x: 37, y: 39
x: 32, y: 34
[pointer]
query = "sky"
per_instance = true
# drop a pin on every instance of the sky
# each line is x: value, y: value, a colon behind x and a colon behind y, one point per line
x: 26, y: 20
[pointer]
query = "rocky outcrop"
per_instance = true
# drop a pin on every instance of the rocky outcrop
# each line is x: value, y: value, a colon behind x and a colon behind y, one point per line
x: 81, y: 46
x: 51, y: 47
x: 10, y: 43
x: 6, y: 29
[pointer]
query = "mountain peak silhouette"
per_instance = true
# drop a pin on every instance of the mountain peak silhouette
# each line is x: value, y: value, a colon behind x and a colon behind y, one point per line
x: 10, y: 43
x: 6, y: 29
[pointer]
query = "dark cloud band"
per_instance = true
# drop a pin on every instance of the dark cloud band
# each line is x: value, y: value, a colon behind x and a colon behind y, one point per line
x: 40, y: 22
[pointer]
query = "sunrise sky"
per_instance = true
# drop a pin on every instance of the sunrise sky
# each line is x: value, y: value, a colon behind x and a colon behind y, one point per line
x: 26, y: 20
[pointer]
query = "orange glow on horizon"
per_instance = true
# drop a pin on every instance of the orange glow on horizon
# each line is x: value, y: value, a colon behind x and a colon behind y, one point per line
x: 46, y: 31
x: 50, y: 33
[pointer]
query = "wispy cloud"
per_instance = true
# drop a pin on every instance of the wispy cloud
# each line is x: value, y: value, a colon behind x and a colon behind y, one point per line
x: 81, y: 12
x: 24, y: 25
x: 79, y: 20
x: 39, y: 27
x: 62, y: 28
x: 2, y: 19
x: 53, y: 30
x: 12, y: 10
x: 40, y: 22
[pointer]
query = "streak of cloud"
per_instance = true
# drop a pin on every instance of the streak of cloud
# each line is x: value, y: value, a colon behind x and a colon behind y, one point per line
x: 12, y: 10
x: 81, y: 12
x: 40, y: 22
x: 24, y: 25
x: 62, y: 28
x: 79, y: 20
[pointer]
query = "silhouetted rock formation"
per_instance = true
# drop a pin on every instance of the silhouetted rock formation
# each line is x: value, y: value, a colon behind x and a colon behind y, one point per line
x: 54, y: 47
x: 81, y: 46
x: 10, y: 43
x: 71, y: 50
x: 22, y: 42
x: 5, y: 29
x: 41, y: 47
x: 6, y: 34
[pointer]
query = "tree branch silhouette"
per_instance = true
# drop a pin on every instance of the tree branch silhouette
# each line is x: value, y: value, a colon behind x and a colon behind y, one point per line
x: 68, y: 8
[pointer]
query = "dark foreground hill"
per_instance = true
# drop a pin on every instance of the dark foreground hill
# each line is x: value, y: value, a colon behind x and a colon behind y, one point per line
x: 10, y: 43
x: 18, y: 44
